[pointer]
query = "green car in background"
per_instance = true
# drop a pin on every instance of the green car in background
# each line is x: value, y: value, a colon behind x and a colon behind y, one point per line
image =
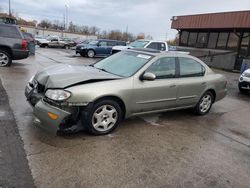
x: 133, y: 82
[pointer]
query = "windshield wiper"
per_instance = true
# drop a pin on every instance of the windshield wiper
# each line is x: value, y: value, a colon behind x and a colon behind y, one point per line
x: 104, y: 70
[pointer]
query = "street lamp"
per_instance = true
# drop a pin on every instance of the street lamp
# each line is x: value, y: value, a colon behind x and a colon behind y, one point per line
x: 66, y: 16
x: 9, y: 9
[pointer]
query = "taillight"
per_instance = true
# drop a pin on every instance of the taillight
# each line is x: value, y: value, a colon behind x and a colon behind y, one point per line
x: 24, y: 44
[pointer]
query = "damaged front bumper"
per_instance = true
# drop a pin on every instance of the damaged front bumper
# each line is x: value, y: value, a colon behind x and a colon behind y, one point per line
x: 49, y: 116
x: 43, y: 119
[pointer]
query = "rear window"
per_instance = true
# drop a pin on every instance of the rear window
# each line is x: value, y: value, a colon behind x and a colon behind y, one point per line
x: 120, y: 43
x: 9, y: 31
x: 111, y: 43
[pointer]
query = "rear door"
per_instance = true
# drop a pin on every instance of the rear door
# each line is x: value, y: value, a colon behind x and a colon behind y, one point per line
x: 110, y: 45
x: 191, y: 82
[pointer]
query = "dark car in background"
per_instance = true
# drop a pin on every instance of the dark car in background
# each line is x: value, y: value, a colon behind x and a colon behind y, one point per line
x: 101, y: 47
x: 13, y: 45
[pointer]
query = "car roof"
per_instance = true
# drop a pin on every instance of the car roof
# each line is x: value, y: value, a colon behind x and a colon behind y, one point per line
x: 9, y: 25
x: 110, y: 40
x: 153, y: 52
x: 151, y: 40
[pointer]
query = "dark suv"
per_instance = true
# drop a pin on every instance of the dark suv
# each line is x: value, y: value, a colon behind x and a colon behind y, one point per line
x: 13, y: 46
x: 101, y: 47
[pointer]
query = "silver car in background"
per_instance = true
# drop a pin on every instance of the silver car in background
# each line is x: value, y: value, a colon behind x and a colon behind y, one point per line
x: 244, y: 81
x: 133, y: 82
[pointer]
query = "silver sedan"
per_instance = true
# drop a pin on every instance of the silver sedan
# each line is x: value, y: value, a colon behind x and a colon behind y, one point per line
x: 98, y: 97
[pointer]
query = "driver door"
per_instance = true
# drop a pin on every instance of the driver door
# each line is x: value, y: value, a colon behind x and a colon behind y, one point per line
x: 54, y: 42
x: 160, y: 93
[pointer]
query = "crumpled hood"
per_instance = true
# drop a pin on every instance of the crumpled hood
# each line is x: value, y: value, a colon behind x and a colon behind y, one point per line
x: 62, y: 76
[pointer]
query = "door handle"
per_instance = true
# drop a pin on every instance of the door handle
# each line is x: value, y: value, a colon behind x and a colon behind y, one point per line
x: 203, y: 83
x: 172, y: 86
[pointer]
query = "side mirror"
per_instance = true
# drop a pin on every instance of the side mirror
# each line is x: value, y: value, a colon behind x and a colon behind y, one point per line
x: 148, y: 76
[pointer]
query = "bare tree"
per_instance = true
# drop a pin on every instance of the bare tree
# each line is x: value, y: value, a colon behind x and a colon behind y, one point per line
x: 45, y: 24
x: 140, y: 36
x: 93, y: 30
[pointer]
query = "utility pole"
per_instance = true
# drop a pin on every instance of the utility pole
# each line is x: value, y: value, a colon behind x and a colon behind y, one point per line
x: 127, y: 32
x: 64, y: 21
x: 9, y: 8
x: 66, y: 16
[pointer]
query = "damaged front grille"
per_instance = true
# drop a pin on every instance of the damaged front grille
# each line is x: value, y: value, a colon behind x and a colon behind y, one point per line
x: 40, y: 88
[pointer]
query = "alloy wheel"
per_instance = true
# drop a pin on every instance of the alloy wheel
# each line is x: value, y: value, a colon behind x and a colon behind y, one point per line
x: 4, y: 59
x: 91, y: 53
x: 104, y: 118
x: 205, y: 103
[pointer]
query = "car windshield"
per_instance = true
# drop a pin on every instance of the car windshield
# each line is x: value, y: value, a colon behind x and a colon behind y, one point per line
x: 139, y: 43
x: 123, y: 64
x: 94, y: 42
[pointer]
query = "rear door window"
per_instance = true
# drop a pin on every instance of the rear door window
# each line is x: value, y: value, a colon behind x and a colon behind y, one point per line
x: 121, y: 43
x: 102, y: 43
x: 9, y: 32
x: 190, y: 67
x: 111, y: 43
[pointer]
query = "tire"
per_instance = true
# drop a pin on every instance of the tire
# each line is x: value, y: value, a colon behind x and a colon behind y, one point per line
x: 91, y: 53
x: 66, y: 47
x: 103, y: 117
x: 5, y: 58
x: 205, y: 103
x: 242, y: 90
x: 44, y: 45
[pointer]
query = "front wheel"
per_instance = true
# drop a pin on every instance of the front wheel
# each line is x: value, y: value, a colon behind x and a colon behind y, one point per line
x: 103, y: 118
x: 91, y: 53
x: 205, y: 103
x: 241, y: 89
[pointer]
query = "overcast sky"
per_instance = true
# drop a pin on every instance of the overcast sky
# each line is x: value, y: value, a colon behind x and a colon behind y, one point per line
x: 148, y: 16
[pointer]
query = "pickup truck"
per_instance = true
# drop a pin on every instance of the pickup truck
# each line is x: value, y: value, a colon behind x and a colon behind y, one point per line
x: 151, y: 44
x: 54, y: 42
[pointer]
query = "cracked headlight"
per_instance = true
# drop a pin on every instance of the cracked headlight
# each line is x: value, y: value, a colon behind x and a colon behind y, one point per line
x: 57, y: 94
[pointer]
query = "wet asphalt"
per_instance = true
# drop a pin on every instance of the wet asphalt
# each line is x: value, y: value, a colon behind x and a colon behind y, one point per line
x: 173, y: 149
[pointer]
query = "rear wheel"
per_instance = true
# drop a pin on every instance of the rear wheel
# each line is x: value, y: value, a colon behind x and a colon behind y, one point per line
x: 103, y: 118
x: 91, y: 53
x: 205, y: 103
x: 5, y: 58
x: 66, y: 47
